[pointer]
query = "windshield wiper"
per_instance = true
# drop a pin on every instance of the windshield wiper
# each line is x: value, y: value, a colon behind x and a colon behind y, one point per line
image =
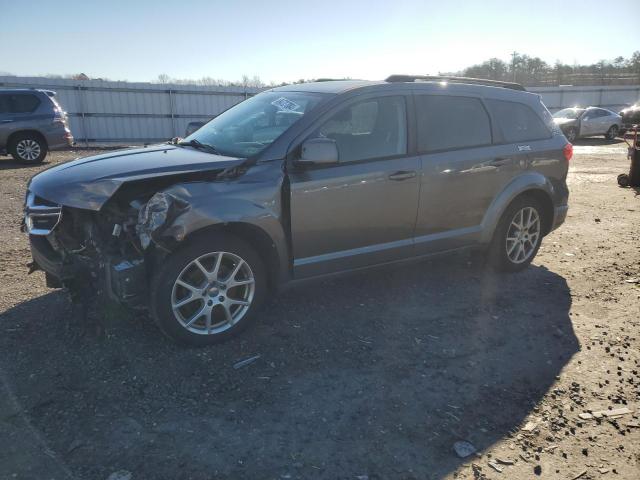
x: 200, y: 146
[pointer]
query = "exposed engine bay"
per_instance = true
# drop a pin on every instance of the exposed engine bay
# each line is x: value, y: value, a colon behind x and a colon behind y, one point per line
x: 111, y: 251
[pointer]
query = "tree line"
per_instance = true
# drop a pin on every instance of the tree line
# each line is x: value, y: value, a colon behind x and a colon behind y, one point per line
x: 533, y: 71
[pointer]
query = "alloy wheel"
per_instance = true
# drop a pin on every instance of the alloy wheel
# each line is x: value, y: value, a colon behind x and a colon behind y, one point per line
x: 28, y: 149
x: 213, y: 293
x: 523, y: 235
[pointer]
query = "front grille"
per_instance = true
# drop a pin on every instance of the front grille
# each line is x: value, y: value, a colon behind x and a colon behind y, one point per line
x: 40, y: 215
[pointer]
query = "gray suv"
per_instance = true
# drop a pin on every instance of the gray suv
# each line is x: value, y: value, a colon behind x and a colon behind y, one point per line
x: 32, y: 123
x: 297, y: 182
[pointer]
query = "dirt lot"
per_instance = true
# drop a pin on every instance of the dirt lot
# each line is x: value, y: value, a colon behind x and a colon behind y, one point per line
x: 372, y: 376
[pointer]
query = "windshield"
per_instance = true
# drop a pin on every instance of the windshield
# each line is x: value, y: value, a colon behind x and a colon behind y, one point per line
x: 568, y: 113
x: 249, y: 127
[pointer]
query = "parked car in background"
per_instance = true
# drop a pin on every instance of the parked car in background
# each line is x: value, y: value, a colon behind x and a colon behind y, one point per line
x: 297, y: 182
x: 31, y: 124
x: 588, y: 122
x: 192, y: 127
x: 630, y: 117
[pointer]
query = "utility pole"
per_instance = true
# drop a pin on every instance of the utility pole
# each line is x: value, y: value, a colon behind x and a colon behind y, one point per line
x: 513, y: 64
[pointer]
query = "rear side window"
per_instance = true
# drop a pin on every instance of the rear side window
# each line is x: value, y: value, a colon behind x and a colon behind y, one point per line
x: 23, y: 103
x: 4, y: 103
x: 518, y: 122
x: 446, y: 123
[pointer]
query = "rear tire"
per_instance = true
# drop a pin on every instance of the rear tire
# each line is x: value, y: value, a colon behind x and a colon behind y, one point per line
x: 512, y: 248
x: 612, y: 133
x: 214, y: 296
x: 28, y: 148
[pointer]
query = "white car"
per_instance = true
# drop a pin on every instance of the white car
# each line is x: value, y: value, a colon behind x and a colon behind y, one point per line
x: 586, y: 122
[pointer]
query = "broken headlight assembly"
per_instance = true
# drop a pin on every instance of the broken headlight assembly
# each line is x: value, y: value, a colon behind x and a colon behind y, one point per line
x: 155, y: 216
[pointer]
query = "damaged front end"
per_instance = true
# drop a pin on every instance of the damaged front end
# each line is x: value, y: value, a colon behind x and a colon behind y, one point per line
x: 109, y: 252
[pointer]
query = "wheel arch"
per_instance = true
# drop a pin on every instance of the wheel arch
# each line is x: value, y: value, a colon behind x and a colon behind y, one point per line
x: 532, y: 185
x: 255, y: 236
x: 27, y: 131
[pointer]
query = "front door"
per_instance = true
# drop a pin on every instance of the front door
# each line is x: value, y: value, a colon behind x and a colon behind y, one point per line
x: 361, y: 210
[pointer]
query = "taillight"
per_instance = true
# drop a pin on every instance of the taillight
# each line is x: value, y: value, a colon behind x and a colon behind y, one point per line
x: 568, y: 151
x: 59, y: 117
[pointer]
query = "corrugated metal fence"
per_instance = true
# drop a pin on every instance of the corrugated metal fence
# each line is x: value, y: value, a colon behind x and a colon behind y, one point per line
x: 612, y: 97
x: 102, y: 112
x: 122, y: 112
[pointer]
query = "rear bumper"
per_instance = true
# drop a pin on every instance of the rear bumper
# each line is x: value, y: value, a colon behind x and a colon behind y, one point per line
x: 559, y: 216
x: 59, y: 139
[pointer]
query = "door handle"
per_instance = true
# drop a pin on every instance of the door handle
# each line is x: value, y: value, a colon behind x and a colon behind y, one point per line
x: 402, y: 175
x: 498, y: 162
x: 6, y: 121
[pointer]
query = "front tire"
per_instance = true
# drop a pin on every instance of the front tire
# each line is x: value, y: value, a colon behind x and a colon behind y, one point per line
x: 518, y: 236
x: 612, y: 133
x: 572, y: 134
x: 209, y: 290
x: 28, y: 148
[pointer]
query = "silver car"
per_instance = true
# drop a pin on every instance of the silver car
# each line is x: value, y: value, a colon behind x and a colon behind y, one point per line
x: 298, y: 182
x: 588, y: 122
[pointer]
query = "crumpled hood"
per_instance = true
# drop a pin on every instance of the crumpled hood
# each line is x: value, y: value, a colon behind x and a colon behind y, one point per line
x: 89, y: 182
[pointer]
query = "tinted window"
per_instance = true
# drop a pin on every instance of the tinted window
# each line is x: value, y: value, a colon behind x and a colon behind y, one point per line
x: 518, y: 122
x: 4, y: 103
x: 373, y: 128
x: 23, y: 103
x: 451, y: 122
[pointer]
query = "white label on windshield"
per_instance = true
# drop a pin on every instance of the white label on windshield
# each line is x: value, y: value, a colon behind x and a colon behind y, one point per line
x: 285, y: 105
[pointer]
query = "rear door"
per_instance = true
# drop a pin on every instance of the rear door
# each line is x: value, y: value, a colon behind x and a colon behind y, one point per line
x: 22, y: 112
x: 362, y: 210
x: 461, y: 169
x: 5, y: 121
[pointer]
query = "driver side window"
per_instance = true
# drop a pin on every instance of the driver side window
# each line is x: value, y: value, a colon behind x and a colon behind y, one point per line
x: 373, y: 128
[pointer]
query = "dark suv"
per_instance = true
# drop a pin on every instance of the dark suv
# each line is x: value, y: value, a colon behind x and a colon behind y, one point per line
x: 297, y: 182
x: 32, y: 123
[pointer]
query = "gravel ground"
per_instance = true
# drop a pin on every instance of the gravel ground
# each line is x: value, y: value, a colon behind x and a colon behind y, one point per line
x: 371, y: 376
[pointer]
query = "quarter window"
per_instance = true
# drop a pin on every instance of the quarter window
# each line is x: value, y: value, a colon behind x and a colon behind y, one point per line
x: 447, y: 123
x: 23, y: 103
x: 518, y: 122
x: 369, y: 129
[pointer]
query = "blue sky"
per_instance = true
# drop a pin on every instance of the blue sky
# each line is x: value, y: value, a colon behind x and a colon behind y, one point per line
x: 137, y: 40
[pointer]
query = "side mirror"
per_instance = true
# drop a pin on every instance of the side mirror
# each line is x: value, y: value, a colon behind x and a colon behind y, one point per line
x: 320, y: 151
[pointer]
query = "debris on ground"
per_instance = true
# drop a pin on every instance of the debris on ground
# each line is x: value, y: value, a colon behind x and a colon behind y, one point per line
x: 120, y: 475
x: 245, y: 362
x: 463, y: 449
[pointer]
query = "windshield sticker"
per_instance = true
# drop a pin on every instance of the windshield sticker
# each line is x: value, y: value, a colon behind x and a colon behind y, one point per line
x: 285, y: 105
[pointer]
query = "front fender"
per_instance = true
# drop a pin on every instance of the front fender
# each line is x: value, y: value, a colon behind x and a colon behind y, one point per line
x: 254, y: 199
x: 526, y: 182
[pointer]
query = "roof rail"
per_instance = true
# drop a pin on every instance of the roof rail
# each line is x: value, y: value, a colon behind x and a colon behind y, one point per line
x: 438, y: 78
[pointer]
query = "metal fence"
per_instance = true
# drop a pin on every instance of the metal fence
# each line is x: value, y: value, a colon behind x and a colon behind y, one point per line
x: 612, y: 97
x: 102, y: 112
